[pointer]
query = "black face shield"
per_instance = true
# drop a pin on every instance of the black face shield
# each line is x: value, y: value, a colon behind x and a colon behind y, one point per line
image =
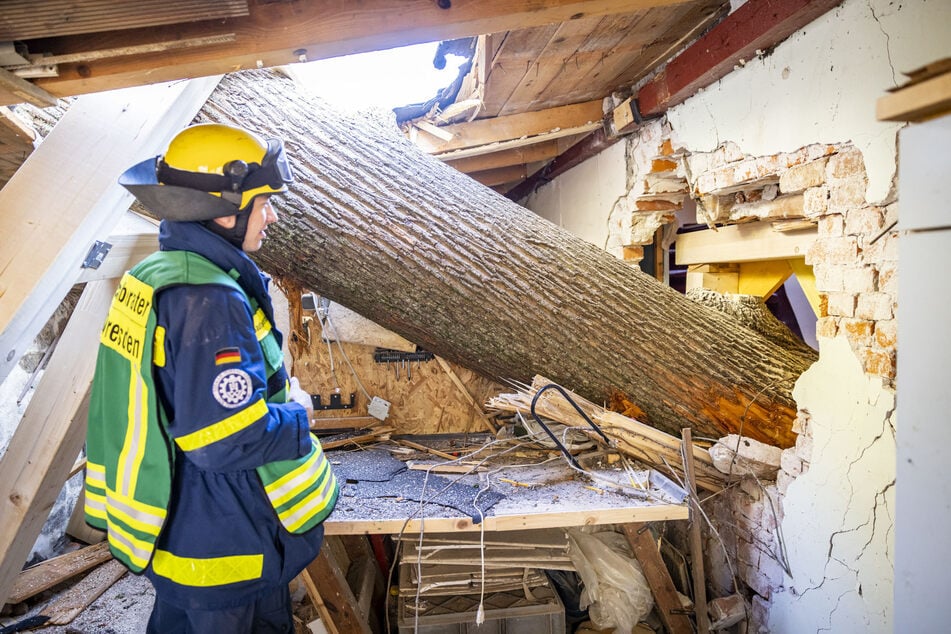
x: 183, y: 196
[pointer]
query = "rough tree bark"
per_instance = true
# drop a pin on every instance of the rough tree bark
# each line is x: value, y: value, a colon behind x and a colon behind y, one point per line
x: 380, y: 227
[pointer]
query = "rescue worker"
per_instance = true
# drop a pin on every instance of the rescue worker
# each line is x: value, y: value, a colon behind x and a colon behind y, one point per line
x: 201, y: 465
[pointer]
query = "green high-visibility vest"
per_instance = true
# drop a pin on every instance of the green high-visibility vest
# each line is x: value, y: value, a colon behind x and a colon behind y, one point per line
x: 130, y: 456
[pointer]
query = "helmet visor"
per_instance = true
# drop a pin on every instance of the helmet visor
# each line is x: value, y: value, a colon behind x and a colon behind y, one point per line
x: 274, y: 172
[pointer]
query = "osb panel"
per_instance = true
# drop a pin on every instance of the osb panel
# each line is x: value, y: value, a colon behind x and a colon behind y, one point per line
x: 422, y: 401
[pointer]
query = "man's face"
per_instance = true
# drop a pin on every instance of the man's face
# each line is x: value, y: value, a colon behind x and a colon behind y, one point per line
x: 262, y: 215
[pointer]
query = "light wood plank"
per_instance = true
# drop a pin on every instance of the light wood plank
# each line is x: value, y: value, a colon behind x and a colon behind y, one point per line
x: 66, y: 196
x: 274, y: 33
x: 50, y: 435
x: 79, y: 597
x: 565, y: 518
x: 557, y: 133
x: 743, y: 243
x: 331, y: 585
x: 516, y: 126
x: 516, y: 156
x: 658, y: 578
x: 47, y: 574
x: 23, y: 91
x: 917, y: 102
x: 486, y: 423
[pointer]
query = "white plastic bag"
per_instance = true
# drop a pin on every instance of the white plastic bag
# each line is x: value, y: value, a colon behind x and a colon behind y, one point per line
x: 615, y: 590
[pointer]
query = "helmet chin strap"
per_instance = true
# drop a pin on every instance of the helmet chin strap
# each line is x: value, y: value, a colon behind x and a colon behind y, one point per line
x: 234, y: 235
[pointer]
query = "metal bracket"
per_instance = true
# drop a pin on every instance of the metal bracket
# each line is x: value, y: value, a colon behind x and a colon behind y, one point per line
x: 97, y: 253
x: 335, y: 402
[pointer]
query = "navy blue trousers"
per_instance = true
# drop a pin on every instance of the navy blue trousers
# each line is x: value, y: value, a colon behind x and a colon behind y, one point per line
x: 269, y: 614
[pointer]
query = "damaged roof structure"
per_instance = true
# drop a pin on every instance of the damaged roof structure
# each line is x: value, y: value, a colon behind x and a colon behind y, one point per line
x: 503, y: 228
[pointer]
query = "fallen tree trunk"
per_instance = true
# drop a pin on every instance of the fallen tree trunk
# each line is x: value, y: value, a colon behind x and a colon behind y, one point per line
x: 421, y: 249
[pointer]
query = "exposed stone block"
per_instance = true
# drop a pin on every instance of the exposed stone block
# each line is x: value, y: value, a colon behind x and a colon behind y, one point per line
x: 860, y: 279
x: 782, y: 207
x: 829, y: 277
x: 815, y: 201
x: 802, y: 177
x: 865, y: 221
x: 804, y: 449
x: 727, y: 153
x: 875, y: 306
x: 841, y: 304
x: 783, y: 480
x: 842, y: 250
x: 759, y: 617
x: 751, y: 488
x: 886, y: 334
x: 846, y: 163
x: 827, y: 327
x: 879, y: 363
x: 791, y: 463
x: 847, y: 194
x: 858, y: 330
x: 888, y: 277
x: 831, y: 226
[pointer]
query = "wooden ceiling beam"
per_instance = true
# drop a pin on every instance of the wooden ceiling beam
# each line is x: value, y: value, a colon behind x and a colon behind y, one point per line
x: 544, y: 151
x: 279, y: 33
x: 758, y: 25
x: 484, y: 132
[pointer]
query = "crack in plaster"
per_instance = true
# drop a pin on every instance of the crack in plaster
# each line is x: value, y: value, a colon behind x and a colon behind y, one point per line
x: 888, y: 50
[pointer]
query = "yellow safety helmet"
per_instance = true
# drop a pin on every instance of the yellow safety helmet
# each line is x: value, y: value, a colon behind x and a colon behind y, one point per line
x: 209, y: 170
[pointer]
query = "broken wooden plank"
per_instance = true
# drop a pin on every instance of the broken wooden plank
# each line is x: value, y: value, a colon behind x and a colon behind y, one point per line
x: 331, y: 585
x: 47, y: 574
x: 658, y: 578
x: 80, y: 596
x: 318, y: 601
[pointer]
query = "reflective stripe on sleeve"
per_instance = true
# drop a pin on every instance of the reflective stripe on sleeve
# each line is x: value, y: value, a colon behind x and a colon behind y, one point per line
x: 222, y: 429
x: 207, y: 571
x: 261, y: 325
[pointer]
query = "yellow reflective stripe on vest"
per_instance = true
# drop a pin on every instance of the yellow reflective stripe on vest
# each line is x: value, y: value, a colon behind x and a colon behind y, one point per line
x: 95, y: 505
x: 135, y: 549
x: 223, y: 429
x: 95, y: 475
x: 299, y: 514
x: 158, y: 347
x: 141, y: 517
x: 261, y: 325
x: 296, y: 480
x: 133, y: 445
x: 208, y: 571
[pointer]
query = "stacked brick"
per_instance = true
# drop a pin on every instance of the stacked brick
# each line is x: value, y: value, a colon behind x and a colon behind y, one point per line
x: 854, y: 261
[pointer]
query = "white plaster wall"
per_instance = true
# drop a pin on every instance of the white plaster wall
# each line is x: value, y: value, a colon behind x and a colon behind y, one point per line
x: 839, y: 515
x: 821, y: 85
x: 581, y: 199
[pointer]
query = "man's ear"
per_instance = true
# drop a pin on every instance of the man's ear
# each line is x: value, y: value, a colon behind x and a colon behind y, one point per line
x: 227, y: 222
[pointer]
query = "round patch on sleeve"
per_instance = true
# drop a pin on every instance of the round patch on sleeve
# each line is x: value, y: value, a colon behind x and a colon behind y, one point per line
x: 232, y: 388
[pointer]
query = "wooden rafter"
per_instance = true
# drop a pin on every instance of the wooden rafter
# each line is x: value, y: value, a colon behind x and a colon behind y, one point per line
x: 277, y: 33
x: 541, y: 125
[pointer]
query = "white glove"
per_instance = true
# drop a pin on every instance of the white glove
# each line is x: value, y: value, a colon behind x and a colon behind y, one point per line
x: 297, y: 395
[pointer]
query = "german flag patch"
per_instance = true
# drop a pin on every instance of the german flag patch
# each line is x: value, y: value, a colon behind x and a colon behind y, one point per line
x: 227, y: 355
